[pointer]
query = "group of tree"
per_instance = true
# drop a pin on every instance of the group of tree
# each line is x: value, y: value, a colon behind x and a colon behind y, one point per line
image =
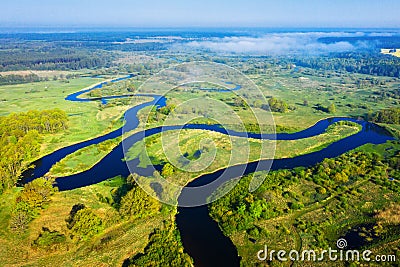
x: 239, y: 102
x: 44, y: 121
x: 40, y: 58
x: 20, y: 140
x: 365, y: 63
x: 83, y: 223
x: 239, y: 210
x: 276, y: 105
x: 384, y: 94
x: 163, y: 249
x: 158, y: 114
x: 328, y: 109
x: 390, y: 116
x: 33, y: 197
x: 132, y: 202
x: 17, y: 79
x: 137, y: 204
x: 49, y: 240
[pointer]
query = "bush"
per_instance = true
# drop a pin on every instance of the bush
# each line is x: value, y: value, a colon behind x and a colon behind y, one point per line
x: 19, y: 221
x: 164, y: 249
x: 83, y: 223
x: 138, y: 204
x: 49, y: 239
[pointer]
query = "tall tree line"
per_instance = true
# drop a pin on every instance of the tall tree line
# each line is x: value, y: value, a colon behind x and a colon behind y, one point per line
x: 20, y: 138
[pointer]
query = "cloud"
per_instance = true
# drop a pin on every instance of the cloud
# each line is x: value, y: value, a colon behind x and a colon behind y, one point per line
x: 380, y: 34
x: 279, y: 43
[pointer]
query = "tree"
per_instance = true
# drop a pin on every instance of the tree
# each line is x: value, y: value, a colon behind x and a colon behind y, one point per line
x: 138, y: 204
x: 257, y: 103
x: 168, y: 170
x: 48, y: 239
x: 164, y: 249
x: 37, y: 192
x: 29, y: 201
x: 332, y: 108
x: 19, y: 221
x: 84, y: 224
x: 277, y: 105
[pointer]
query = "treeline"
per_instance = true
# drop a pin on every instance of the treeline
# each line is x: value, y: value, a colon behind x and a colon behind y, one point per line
x: 53, y: 59
x: 394, y: 93
x: 390, y: 116
x: 365, y: 63
x: 20, y: 140
x: 17, y: 79
x: 45, y: 121
x: 30, y: 78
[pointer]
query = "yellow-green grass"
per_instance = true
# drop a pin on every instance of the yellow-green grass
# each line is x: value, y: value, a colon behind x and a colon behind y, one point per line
x: 385, y: 150
x: 41, y: 73
x: 120, y: 239
x: 387, y: 52
x: 394, y: 129
x: 86, y: 119
x: 229, y: 150
x: 83, y: 159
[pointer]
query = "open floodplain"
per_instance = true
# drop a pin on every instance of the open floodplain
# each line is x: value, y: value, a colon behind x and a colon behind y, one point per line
x: 86, y: 166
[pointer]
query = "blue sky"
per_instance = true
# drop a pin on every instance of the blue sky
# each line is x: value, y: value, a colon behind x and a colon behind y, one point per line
x: 203, y: 13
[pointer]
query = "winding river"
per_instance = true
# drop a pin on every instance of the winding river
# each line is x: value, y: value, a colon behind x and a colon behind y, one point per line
x: 201, y: 236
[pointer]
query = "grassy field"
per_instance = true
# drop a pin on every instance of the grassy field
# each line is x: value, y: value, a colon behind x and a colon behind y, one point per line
x: 387, y: 52
x: 82, y: 159
x: 117, y: 242
x: 86, y: 119
x: 219, y: 150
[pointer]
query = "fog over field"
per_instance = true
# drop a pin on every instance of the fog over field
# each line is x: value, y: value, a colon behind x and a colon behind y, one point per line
x: 292, y: 42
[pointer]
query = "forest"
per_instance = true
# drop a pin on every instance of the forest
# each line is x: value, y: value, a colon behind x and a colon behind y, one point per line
x: 355, y: 62
x: 42, y: 57
x: 20, y: 139
x: 390, y: 116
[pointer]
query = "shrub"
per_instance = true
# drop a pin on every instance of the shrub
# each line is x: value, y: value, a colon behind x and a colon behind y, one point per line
x: 138, y: 204
x: 83, y: 223
x: 47, y: 239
